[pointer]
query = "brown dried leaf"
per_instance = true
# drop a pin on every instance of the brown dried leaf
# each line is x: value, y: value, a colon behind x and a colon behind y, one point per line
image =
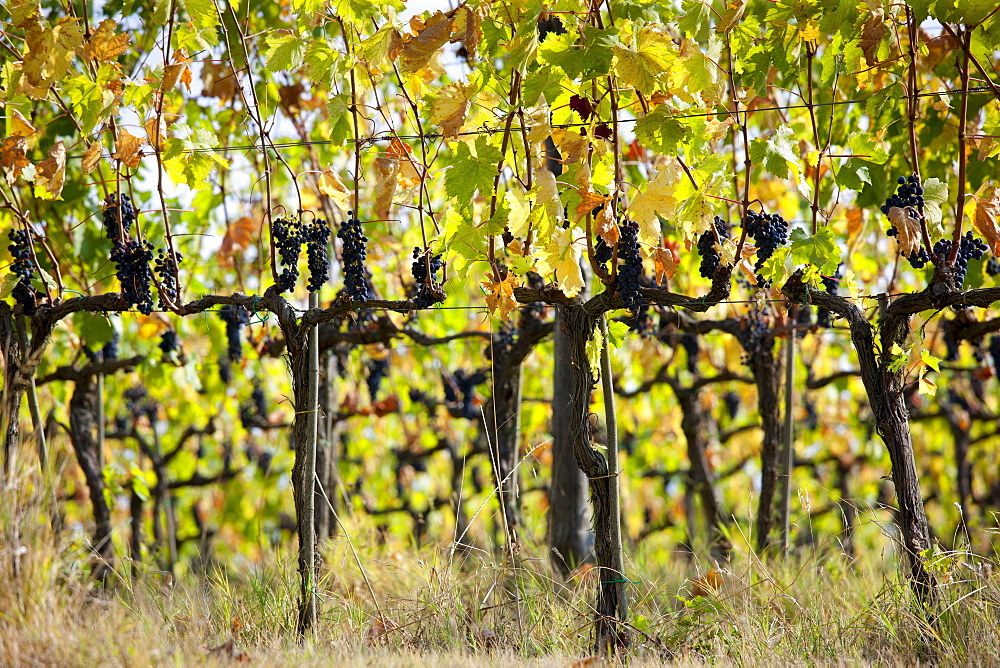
x: 386, y: 406
x: 606, y: 226
x: 12, y: 157
x: 403, y: 155
x: 871, y: 37
x: 419, y: 48
x: 378, y: 633
x: 385, y: 187
x: 91, y: 157
x: 51, y: 173
x: 239, y: 235
x: 572, y: 145
x: 155, y: 133
x: 589, y: 200
x: 127, y: 148
x: 291, y: 96
x: 907, y: 230
x: 104, y: 45
x: 467, y: 29
x: 665, y: 264
x: 988, y: 216
x: 218, y: 80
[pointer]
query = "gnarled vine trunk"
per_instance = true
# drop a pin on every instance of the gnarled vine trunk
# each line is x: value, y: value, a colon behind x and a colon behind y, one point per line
x: 766, y: 368
x: 701, y: 478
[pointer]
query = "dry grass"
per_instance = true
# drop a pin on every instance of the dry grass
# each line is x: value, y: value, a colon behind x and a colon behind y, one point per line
x: 436, y: 608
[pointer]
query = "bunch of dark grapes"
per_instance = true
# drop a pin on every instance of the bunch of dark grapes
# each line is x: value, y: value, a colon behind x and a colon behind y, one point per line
x: 109, y: 352
x: 24, y: 268
x: 710, y: 257
x: 732, y: 401
x: 830, y: 285
x: 234, y: 317
x: 769, y: 232
x: 317, y: 236
x: 993, y: 266
x: 503, y: 341
x: 690, y: 344
x: 114, y: 230
x: 994, y: 351
x: 288, y: 238
x: 259, y: 400
x: 165, y: 266
x: 353, y: 256
x: 754, y: 334
x: 969, y: 248
x: 602, y: 251
x: 460, y: 388
x: 630, y: 270
x: 378, y: 369
x: 909, y: 194
x: 169, y: 341
x: 952, y: 347
x: 812, y: 417
x: 425, y: 293
x: 641, y: 324
x: 132, y: 258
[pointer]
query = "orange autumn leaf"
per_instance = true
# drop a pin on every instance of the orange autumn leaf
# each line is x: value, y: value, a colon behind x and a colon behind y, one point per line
x: 665, y: 264
x: 988, y: 216
x: 239, y: 236
x: 104, y: 45
x: 500, y: 296
x: 91, y: 157
x: 13, y: 158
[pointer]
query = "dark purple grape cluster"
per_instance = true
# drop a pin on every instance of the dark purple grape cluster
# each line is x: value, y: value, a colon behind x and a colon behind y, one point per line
x: 732, y: 402
x: 754, y: 334
x: 169, y: 341
x: 109, y: 352
x: 259, y: 400
x: 994, y: 351
x: 993, y: 266
x: 689, y: 342
x: 353, y: 256
x: 969, y: 248
x: 710, y: 257
x: 234, y: 317
x: 288, y: 238
x: 642, y: 324
x: 378, y: 369
x: 165, y: 266
x: 602, y: 251
x: 769, y: 232
x: 503, y: 341
x: 630, y: 270
x: 425, y: 293
x: 132, y: 258
x: 24, y: 268
x: 830, y: 284
x: 317, y: 236
x: 118, y: 220
x: 909, y: 194
x: 460, y: 388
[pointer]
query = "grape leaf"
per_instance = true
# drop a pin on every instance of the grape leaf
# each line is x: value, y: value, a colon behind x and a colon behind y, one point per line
x: 660, y: 131
x: 471, y: 172
x: 819, y: 250
x: 640, y: 66
x: 51, y: 173
x: 935, y: 194
x: 658, y: 198
x: 776, y: 153
x: 987, y: 219
x: 285, y: 51
x: 616, y: 333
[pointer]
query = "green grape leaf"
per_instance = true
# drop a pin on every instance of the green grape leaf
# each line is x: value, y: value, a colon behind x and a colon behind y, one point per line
x: 471, y: 172
x: 616, y: 333
x: 640, y: 66
x: 661, y: 132
x: 819, y: 250
x: 867, y: 146
x: 285, y: 51
x: 776, y: 153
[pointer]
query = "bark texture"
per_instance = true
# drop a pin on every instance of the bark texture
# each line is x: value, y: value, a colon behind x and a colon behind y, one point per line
x: 766, y: 368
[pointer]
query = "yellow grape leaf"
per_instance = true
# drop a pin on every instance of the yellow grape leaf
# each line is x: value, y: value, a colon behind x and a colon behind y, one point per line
x: 520, y: 209
x: 561, y: 256
x: 51, y: 173
x: 403, y: 155
x: 91, y: 157
x: 12, y: 157
x: 537, y: 120
x: 810, y: 32
x: 154, y: 133
x: 500, y: 296
x: 572, y: 145
x: 385, y: 187
x: 127, y: 148
x: 926, y: 387
x: 329, y: 184
x: 427, y: 38
x: 656, y: 198
x: 988, y: 216
x: 49, y: 52
x: 450, y: 108
x: 850, y: 282
x: 907, y: 230
x: 594, y: 348
x: 19, y: 125
x: 653, y: 54
x: 547, y: 193
x: 152, y: 325
x: 665, y: 264
x: 104, y: 45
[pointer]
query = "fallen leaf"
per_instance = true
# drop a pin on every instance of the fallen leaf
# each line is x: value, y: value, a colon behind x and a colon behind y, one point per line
x: 230, y: 651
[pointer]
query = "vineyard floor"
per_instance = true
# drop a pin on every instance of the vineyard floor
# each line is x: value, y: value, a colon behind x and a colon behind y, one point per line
x: 444, y: 609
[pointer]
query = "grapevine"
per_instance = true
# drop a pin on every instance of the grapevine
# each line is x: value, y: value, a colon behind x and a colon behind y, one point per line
x: 425, y: 285
x: 317, y: 237
x: 165, y: 267
x: 234, y: 317
x: 710, y: 258
x: 288, y: 237
x: 353, y: 256
x: 631, y: 270
x: 132, y: 258
x: 23, y: 267
x: 769, y: 232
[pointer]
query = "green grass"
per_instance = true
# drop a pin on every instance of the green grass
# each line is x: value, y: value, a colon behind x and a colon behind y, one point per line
x: 435, y: 608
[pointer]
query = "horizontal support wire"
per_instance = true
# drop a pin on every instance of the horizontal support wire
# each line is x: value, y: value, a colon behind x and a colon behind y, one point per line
x: 390, y: 136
